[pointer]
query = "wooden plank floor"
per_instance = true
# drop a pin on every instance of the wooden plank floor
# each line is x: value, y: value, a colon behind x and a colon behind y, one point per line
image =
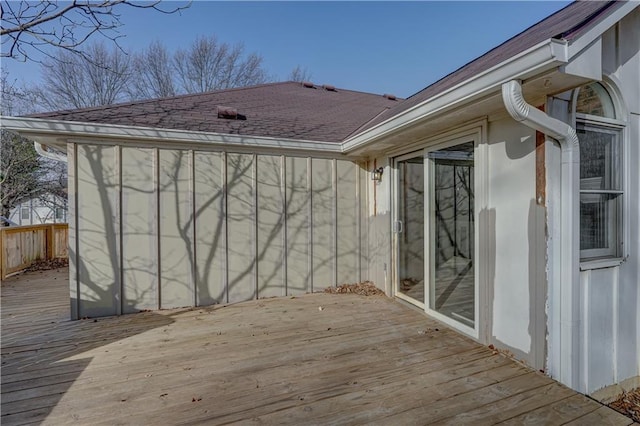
x: 315, y: 359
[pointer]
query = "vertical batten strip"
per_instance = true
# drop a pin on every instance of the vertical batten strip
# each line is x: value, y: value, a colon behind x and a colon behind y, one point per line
x: 254, y: 181
x: 615, y: 323
x: 334, y: 183
x: 310, y: 219
x: 225, y: 218
x: 585, y: 300
x: 194, y: 245
x: 358, y: 220
x: 156, y: 165
x: 73, y: 207
x: 119, y: 234
x: 285, y: 247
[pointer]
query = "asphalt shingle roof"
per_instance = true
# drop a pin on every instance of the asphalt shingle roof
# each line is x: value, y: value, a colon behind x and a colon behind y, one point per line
x: 283, y: 110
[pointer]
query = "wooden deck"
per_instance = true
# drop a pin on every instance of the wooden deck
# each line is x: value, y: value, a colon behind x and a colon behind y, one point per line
x: 315, y: 359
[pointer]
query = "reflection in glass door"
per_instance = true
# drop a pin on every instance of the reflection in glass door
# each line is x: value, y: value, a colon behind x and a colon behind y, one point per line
x: 410, y: 229
x: 452, y: 283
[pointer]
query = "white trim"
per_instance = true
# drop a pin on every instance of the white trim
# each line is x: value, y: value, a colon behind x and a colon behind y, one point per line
x: 601, y: 263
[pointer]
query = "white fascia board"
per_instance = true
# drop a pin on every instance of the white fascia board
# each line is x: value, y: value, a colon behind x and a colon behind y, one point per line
x: 36, y: 127
x: 539, y: 58
x: 587, y: 38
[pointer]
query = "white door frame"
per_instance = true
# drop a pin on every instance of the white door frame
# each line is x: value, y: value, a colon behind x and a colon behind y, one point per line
x: 477, y: 136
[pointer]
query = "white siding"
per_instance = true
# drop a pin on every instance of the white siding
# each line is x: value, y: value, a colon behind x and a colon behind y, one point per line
x: 97, y: 232
x: 176, y: 229
x: 139, y: 230
x: 611, y: 296
x: 210, y: 228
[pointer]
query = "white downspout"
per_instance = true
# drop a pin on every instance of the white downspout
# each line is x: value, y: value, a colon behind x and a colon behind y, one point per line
x: 44, y: 152
x: 568, y: 325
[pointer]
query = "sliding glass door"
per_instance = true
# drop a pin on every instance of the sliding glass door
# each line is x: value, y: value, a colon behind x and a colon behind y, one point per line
x: 435, y: 232
x: 452, y: 242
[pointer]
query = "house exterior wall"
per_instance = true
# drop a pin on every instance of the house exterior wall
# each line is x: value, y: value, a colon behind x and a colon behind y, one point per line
x: 378, y: 219
x: 516, y: 282
x: 610, y: 300
x: 164, y: 228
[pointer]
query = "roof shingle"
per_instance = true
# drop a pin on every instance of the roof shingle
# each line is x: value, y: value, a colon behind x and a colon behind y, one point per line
x: 282, y: 110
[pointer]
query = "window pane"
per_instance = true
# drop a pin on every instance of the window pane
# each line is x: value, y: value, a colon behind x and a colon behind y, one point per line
x: 599, y: 223
x: 452, y: 215
x: 593, y: 99
x: 599, y: 159
x: 411, y: 239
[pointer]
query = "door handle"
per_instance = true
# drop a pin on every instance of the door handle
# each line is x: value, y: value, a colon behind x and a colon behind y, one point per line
x: 399, y: 227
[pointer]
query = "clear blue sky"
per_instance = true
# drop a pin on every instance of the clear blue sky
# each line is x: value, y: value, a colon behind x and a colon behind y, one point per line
x: 378, y: 47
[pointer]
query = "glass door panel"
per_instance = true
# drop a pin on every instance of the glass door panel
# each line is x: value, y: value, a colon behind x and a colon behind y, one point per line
x: 452, y: 281
x: 410, y: 229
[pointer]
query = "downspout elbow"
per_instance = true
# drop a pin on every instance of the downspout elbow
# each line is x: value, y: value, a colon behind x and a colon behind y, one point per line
x: 531, y: 116
x: 43, y: 151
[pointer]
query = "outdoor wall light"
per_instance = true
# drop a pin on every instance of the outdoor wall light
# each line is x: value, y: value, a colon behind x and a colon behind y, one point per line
x: 376, y: 174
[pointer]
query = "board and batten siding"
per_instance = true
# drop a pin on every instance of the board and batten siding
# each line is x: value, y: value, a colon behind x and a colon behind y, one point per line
x: 164, y: 228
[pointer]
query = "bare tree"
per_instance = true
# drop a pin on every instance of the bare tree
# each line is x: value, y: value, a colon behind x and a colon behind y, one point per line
x: 25, y: 175
x: 153, y: 75
x: 299, y: 74
x: 15, y: 100
x: 71, y: 81
x: 209, y: 65
x: 29, y: 27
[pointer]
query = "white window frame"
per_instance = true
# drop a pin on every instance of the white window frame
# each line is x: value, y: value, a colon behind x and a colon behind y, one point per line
x: 597, y: 258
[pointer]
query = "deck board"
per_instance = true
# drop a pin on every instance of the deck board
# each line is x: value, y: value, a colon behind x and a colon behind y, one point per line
x: 312, y: 359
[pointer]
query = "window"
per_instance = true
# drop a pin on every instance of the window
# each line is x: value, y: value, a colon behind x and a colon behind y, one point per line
x: 24, y: 213
x: 601, y: 173
x: 59, y: 213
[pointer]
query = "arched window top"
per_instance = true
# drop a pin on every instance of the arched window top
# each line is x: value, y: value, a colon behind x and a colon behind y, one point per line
x: 594, y: 99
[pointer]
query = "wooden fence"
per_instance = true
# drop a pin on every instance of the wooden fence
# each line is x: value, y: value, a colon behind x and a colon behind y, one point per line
x: 20, y: 246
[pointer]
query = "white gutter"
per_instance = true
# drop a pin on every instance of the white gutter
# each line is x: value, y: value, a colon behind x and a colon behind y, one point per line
x: 43, y: 150
x: 59, y: 129
x: 568, y: 354
x: 543, y: 56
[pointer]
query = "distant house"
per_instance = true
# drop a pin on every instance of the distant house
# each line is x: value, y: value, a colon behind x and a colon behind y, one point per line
x: 48, y: 208
x: 503, y: 200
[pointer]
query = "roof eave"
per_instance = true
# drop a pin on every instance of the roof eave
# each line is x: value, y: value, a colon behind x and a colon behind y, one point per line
x: 537, y: 59
x: 59, y: 132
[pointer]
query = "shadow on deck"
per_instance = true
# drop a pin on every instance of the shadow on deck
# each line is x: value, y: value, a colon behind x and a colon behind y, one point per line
x: 320, y: 358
